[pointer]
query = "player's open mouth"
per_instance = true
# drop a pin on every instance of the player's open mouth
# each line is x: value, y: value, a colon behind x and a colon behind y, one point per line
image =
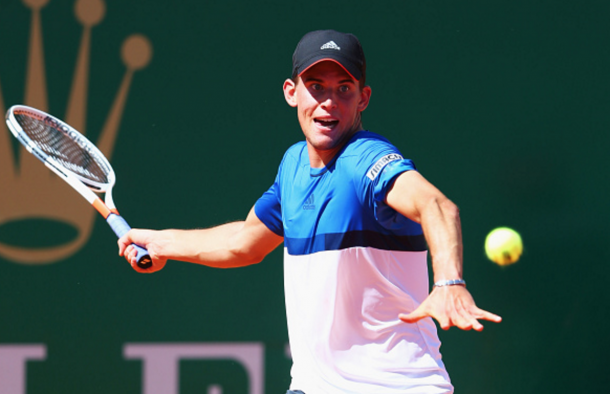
x: 326, y: 123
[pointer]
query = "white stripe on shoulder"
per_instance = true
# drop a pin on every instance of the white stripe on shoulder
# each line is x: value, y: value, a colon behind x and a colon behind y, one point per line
x: 377, y: 167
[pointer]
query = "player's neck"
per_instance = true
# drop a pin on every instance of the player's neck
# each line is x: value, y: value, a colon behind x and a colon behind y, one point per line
x: 320, y: 158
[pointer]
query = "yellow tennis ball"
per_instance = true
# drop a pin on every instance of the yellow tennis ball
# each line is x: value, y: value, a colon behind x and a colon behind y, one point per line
x: 503, y: 246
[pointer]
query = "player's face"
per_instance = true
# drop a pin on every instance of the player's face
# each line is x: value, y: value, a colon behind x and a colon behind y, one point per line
x: 329, y: 102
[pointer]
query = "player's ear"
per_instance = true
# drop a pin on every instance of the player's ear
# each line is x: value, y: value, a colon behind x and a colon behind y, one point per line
x: 290, y: 88
x: 365, y: 98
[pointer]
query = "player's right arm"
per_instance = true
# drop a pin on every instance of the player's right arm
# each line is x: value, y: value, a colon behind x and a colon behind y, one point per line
x: 230, y: 245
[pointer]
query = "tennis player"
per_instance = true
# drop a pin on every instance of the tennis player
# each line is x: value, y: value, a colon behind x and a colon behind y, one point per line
x: 357, y: 221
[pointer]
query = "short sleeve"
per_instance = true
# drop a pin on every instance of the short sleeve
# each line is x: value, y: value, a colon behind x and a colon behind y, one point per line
x: 386, y: 215
x: 387, y: 176
x: 378, y: 164
x: 269, y: 209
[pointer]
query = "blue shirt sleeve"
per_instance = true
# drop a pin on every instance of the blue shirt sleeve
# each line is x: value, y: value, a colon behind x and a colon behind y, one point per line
x: 378, y: 166
x: 386, y: 215
x: 269, y: 209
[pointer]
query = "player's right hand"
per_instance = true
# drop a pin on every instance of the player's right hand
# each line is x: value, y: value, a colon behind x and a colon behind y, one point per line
x: 148, y: 239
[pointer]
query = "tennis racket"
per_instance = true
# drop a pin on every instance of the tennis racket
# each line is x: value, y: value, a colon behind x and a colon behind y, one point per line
x: 75, y: 159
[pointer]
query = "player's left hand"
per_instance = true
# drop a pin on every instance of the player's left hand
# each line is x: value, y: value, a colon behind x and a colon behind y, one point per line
x: 451, y: 306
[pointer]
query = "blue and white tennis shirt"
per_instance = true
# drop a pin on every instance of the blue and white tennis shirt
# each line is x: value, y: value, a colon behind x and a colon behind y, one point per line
x: 351, y: 265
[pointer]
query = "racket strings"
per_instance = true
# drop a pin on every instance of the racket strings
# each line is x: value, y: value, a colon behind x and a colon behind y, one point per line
x: 65, y: 147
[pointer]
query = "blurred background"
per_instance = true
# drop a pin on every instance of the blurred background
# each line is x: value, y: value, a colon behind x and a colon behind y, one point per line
x: 503, y: 105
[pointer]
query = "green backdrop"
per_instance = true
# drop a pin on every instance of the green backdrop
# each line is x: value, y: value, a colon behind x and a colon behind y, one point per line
x: 502, y: 104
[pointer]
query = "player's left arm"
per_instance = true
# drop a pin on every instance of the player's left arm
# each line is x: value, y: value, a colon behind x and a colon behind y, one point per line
x: 416, y: 198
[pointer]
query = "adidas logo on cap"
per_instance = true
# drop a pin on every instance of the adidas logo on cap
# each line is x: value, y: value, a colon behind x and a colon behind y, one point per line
x: 330, y: 45
x: 311, y: 50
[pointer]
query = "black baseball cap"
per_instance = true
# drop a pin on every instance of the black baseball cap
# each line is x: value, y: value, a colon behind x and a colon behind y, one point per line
x: 342, y: 48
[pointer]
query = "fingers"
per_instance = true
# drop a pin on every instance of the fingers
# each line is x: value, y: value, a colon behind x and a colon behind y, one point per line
x: 481, y: 314
x: 143, y: 238
x: 414, y: 316
x: 465, y: 316
x: 129, y: 252
x: 131, y: 255
x: 125, y: 241
x: 422, y: 312
x: 451, y: 308
x: 474, y: 314
x: 123, y: 244
x: 455, y: 318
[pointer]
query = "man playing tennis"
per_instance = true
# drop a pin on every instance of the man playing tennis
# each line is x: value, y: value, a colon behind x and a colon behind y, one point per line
x: 355, y: 218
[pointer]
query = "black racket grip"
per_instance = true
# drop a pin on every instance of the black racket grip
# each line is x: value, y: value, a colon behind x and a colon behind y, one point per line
x: 120, y: 228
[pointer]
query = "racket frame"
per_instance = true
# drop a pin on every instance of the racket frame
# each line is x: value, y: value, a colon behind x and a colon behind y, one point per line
x: 85, y: 187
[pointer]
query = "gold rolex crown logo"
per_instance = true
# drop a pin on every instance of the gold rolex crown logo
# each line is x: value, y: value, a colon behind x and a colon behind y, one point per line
x: 28, y: 190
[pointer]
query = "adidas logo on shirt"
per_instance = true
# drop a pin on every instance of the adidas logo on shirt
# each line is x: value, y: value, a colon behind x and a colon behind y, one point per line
x: 330, y: 45
x: 309, y: 203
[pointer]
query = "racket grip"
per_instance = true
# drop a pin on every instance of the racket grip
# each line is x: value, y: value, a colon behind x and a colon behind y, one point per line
x: 120, y: 228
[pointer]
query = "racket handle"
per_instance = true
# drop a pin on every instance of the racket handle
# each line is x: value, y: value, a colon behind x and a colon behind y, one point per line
x: 120, y: 228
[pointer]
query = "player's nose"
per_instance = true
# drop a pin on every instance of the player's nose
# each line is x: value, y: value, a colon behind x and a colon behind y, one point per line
x: 330, y: 101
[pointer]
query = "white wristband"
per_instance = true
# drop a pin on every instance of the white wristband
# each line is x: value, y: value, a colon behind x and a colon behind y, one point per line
x: 450, y: 282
